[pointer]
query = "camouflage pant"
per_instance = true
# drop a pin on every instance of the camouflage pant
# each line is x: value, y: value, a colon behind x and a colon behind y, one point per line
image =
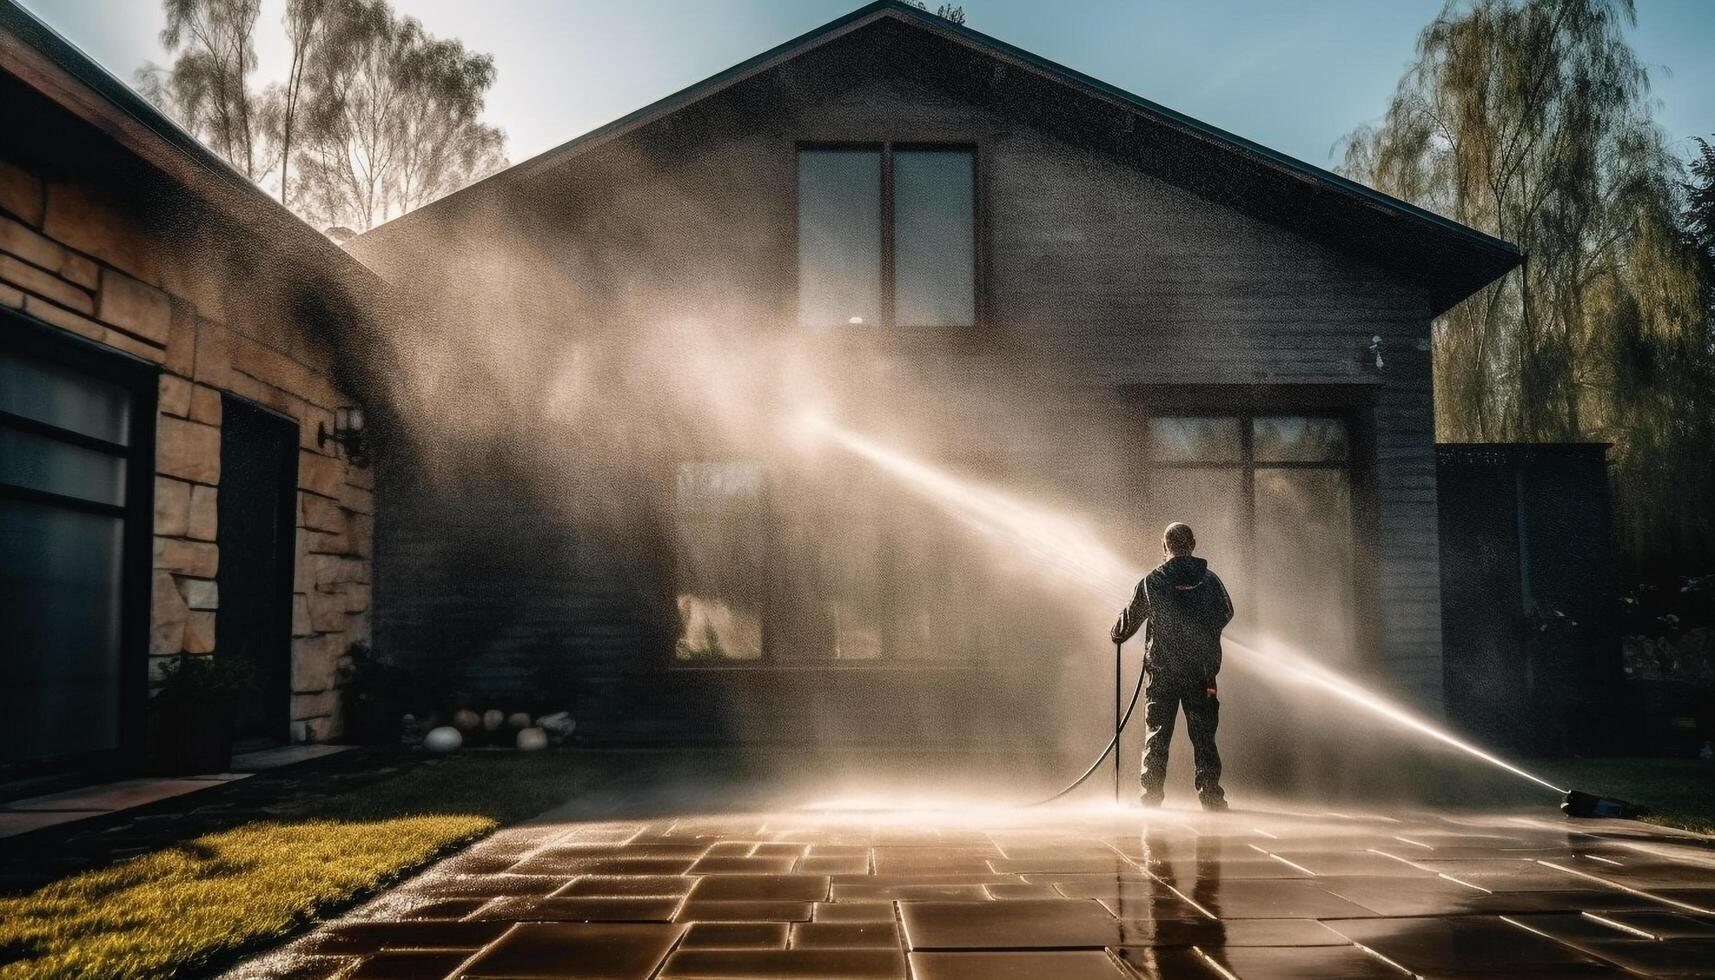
x: 1162, y: 701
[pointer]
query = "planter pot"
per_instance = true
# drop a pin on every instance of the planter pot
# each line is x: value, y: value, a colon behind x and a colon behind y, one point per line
x: 370, y: 721
x: 197, y: 738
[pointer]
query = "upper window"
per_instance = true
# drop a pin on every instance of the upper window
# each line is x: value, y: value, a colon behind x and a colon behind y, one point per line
x: 886, y: 237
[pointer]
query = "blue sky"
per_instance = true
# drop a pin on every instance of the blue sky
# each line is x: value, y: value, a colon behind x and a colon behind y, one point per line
x: 1293, y: 75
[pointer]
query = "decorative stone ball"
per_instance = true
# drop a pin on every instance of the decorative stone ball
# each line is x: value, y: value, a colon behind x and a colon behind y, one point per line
x: 466, y: 720
x: 493, y: 718
x: 560, y: 723
x: 443, y: 739
x: 518, y: 719
x: 531, y: 739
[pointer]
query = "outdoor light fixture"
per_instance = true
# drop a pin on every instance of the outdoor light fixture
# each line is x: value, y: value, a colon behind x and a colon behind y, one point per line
x: 1375, y: 350
x: 347, y: 434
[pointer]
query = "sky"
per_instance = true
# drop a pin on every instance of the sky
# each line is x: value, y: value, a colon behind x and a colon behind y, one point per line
x: 1295, y: 76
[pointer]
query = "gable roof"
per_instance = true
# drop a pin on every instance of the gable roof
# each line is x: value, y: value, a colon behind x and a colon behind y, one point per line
x: 1451, y: 259
x: 38, y: 56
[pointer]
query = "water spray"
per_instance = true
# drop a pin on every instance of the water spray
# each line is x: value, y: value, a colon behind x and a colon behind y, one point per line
x: 1075, y: 556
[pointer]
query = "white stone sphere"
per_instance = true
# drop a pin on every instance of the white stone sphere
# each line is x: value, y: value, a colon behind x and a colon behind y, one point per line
x: 518, y: 719
x: 560, y: 723
x: 531, y: 739
x: 466, y: 719
x: 493, y: 718
x: 443, y: 739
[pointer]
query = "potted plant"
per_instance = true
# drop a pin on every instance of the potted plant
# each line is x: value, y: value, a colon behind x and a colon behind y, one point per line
x: 370, y: 696
x: 196, y: 706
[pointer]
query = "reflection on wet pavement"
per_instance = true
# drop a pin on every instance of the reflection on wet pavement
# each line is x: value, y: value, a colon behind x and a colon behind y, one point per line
x: 1058, y: 893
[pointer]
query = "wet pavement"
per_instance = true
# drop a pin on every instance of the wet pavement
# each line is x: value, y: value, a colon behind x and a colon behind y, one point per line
x: 688, y: 891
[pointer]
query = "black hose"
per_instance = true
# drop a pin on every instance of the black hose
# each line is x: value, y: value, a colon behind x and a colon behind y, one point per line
x: 1113, y: 746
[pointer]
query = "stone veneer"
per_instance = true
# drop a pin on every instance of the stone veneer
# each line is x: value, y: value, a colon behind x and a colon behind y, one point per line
x: 72, y: 256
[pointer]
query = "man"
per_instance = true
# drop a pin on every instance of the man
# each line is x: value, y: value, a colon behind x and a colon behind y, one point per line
x: 1186, y: 607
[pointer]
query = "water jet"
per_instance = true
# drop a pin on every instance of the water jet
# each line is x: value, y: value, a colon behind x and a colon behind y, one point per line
x: 1069, y: 552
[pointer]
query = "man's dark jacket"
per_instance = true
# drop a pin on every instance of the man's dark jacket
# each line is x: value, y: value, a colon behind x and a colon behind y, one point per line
x: 1186, y: 607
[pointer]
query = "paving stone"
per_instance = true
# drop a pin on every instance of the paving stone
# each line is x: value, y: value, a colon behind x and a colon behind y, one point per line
x: 627, y: 909
x: 372, y: 937
x: 567, y: 865
x: 917, y: 860
x: 1022, y: 889
x: 1672, y: 958
x: 909, y: 892
x: 833, y: 864
x: 487, y: 886
x: 854, y: 912
x: 1455, y: 944
x: 1072, y: 965
x: 833, y: 964
x: 1666, y: 925
x: 1169, y: 963
x: 1066, y: 923
x: 408, y: 965
x: 628, y: 885
x: 741, y: 865
x: 761, y: 888
x: 845, y: 935
x: 576, y: 951
x: 1282, y: 899
x: 1346, y: 962
x: 745, y: 912
x: 446, y: 908
x: 1235, y: 932
x: 736, y: 935
x: 1058, y: 894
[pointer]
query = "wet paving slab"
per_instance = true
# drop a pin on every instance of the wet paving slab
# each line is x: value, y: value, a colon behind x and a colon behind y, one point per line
x: 1048, y: 892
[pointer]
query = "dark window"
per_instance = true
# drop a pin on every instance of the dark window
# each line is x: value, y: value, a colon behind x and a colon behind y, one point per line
x: 839, y: 237
x: 64, y: 446
x: 934, y: 239
x: 721, y: 535
x: 887, y: 237
x: 1270, y: 498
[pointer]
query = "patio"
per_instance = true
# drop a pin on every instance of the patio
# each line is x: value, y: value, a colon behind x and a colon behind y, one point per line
x: 672, y: 874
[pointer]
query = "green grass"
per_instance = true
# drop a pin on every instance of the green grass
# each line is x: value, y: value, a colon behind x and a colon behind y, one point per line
x: 1679, y: 792
x: 189, y: 906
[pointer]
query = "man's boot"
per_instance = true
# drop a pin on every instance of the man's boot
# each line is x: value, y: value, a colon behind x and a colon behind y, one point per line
x: 1150, y: 799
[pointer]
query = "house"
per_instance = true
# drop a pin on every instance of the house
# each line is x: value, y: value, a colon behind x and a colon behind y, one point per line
x: 968, y: 256
x: 170, y: 361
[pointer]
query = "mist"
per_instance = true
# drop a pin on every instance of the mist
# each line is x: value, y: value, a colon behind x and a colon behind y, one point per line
x: 602, y: 409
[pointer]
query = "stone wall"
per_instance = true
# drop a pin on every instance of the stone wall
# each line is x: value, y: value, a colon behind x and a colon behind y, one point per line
x: 217, y: 315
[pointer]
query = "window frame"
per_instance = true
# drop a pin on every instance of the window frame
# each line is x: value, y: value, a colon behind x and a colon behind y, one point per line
x: 889, y: 325
x: 1353, y: 404
x: 34, y: 338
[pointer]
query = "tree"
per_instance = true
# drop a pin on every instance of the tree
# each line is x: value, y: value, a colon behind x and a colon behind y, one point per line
x: 393, y: 117
x: 1530, y: 120
x: 208, y: 88
x: 1700, y: 207
x: 373, y: 118
x: 305, y: 23
x: 945, y: 11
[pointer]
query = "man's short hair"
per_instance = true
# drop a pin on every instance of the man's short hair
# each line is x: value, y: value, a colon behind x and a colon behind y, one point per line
x: 1179, y: 538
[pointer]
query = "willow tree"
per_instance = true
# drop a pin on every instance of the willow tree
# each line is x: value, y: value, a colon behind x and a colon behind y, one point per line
x: 1530, y: 120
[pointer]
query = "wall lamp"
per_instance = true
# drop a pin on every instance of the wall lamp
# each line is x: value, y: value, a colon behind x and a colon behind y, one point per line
x: 347, y: 434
